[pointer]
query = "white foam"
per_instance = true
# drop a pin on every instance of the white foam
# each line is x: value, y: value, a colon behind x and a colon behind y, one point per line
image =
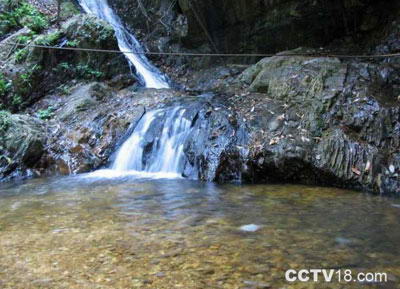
x: 250, y: 228
x: 113, y: 174
x: 166, y: 157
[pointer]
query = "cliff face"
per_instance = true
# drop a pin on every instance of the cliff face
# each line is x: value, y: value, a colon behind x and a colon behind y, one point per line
x: 258, y: 26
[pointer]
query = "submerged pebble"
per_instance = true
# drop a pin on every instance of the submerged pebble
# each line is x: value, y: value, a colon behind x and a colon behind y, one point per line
x: 15, y: 206
x: 343, y: 241
x: 255, y: 284
x: 250, y: 228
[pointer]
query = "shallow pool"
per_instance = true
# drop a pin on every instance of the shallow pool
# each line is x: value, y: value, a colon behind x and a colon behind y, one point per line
x: 79, y: 232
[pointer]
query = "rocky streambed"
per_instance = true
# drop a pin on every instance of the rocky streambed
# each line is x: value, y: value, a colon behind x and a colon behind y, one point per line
x: 86, y: 232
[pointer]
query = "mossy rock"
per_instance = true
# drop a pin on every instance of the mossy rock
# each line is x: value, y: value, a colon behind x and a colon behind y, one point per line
x: 309, y: 83
x: 22, y: 141
x: 34, y: 71
x: 89, y: 31
x: 82, y: 99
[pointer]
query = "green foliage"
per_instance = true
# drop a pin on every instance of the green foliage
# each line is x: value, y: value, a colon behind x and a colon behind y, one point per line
x: 15, y: 93
x: 64, y: 66
x: 64, y: 89
x: 5, y: 85
x: 48, y: 39
x: 19, y: 14
x: 16, y: 101
x: 73, y: 43
x: 22, y: 88
x: 25, y: 79
x: 36, y: 23
x: 83, y: 71
x: 26, y: 76
x: 29, y: 16
x: 46, y: 114
x: 21, y: 55
x: 5, y: 120
x: 24, y: 39
x: 68, y: 9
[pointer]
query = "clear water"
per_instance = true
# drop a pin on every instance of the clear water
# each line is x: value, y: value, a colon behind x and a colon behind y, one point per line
x: 150, y: 75
x: 129, y: 232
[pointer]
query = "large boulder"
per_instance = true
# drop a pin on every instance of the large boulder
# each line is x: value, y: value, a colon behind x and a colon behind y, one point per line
x: 309, y: 84
x: 323, y: 121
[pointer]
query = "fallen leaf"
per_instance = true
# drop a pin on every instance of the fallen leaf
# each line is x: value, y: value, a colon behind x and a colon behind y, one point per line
x: 367, y: 166
x: 274, y: 141
x: 356, y: 171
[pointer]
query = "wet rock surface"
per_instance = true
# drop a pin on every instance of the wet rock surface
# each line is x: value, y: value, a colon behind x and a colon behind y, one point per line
x: 88, y: 130
x: 286, y: 119
x: 310, y: 120
x: 337, y: 123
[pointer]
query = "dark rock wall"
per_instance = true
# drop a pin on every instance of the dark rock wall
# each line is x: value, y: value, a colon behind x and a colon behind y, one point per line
x: 257, y: 25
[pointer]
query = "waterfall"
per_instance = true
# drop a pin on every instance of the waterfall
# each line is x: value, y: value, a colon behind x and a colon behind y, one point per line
x: 155, y: 147
x: 166, y: 152
x: 147, y: 73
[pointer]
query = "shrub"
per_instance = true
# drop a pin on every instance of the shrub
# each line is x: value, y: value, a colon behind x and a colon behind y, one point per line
x: 22, y: 88
x: 5, y: 120
x: 83, y: 71
x: 48, y: 39
x: 64, y: 89
x: 73, y: 43
x: 21, y: 55
x: 19, y: 14
x: 24, y: 39
x: 16, y: 101
x: 5, y: 85
x: 46, y: 114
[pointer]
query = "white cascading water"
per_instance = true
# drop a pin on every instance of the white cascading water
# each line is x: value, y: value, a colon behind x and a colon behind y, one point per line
x: 166, y: 153
x: 150, y: 75
x: 155, y: 148
x: 163, y: 156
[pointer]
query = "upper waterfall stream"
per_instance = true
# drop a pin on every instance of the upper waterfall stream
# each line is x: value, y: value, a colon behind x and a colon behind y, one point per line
x: 150, y: 75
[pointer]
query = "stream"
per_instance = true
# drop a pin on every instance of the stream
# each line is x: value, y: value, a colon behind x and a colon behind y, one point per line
x: 128, y: 232
x: 138, y: 223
